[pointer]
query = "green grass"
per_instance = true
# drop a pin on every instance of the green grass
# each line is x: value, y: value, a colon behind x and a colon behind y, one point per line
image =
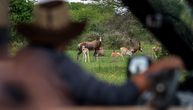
x: 105, y: 68
x: 109, y: 69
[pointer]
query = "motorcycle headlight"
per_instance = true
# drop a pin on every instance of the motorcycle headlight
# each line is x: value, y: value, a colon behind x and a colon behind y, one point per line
x: 138, y: 64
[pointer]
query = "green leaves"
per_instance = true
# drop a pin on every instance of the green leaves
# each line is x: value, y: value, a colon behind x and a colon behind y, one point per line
x: 20, y: 12
x: 94, y: 13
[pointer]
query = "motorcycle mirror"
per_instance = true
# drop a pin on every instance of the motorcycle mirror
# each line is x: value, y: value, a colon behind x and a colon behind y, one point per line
x: 137, y: 65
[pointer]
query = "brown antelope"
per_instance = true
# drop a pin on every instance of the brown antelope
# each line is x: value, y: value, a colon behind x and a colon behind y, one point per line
x: 93, y: 45
x: 135, y: 45
x: 126, y: 51
x: 85, y: 52
x: 116, y: 54
x: 101, y: 52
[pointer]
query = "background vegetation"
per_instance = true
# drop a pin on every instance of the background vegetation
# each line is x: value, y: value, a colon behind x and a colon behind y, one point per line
x: 115, y: 28
x: 105, y: 18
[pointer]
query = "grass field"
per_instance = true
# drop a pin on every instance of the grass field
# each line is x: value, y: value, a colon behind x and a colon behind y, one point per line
x: 108, y: 69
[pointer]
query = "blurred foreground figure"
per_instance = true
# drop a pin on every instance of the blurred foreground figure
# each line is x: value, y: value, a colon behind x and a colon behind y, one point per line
x: 25, y: 79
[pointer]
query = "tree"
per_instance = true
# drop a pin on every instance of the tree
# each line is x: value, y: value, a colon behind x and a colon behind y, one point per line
x: 95, y: 14
x: 20, y: 12
x: 115, y: 28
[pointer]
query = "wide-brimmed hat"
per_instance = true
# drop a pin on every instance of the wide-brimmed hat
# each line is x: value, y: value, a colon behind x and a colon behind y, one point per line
x: 51, y: 24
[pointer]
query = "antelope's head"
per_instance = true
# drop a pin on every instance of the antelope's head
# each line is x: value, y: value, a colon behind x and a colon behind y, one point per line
x: 100, y: 39
x: 83, y: 47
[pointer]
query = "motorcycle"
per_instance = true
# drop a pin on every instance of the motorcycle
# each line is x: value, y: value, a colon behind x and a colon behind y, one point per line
x: 165, y: 90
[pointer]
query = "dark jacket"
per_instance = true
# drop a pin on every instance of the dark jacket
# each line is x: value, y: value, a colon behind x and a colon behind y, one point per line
x: 88, y: 90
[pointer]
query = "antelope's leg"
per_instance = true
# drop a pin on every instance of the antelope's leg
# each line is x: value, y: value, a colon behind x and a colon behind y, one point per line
x: 122, y: 57
x: 84, y: 57
x: 78, y: 54
x: 95, y: 54
x: 88, y: 57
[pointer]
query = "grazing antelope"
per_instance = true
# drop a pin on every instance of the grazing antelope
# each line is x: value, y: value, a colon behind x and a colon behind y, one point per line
x: 125, y: 51
x: 85, y: 52
x: 101, y: 52
x: 116, y: 54
x: 135, y: 45
x: 93, y: 45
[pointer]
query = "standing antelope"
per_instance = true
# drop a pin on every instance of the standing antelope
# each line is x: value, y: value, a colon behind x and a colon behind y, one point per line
x: 93, y: 45
x: 135, y: 45
x: 85, y: 52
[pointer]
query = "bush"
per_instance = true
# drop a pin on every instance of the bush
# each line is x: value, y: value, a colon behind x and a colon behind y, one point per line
x: 20, y: 12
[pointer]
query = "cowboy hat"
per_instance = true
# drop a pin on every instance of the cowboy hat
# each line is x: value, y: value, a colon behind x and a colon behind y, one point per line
x: 51, y: 24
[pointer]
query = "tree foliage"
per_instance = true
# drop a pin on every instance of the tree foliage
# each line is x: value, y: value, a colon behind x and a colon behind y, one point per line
x: 116, y: 29
x: 103, y: 19
x: 95, y: 14
x: 20, y: 12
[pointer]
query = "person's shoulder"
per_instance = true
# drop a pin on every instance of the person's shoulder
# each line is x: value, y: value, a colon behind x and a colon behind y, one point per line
x: 34, y: 53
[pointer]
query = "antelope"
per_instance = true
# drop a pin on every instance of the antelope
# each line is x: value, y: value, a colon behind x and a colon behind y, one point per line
x: 93, y: 45
x: 126, y: 51
x: 136, y: 46
x: 85, y: 52
x: 101, y: 52
x: 116, y: 54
